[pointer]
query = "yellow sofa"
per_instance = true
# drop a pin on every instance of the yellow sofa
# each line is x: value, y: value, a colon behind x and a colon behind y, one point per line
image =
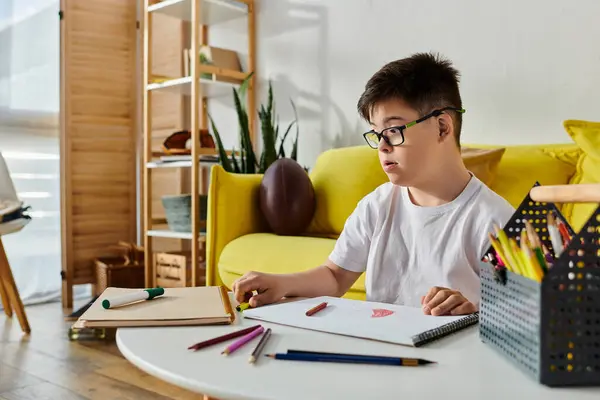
x: 238, y: 238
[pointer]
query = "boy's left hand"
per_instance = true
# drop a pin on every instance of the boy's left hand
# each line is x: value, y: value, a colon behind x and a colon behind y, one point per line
x: 444, y: 301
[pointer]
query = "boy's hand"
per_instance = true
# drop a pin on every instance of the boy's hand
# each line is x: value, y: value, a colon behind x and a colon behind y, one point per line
x: 444, y: 301
x: 270, y: 288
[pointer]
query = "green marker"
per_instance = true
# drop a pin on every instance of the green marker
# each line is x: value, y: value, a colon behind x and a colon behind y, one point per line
x: 146, y: 294
x: 243, y: 306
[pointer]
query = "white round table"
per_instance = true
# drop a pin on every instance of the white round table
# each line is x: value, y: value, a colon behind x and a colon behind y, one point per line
x: 466, y: 369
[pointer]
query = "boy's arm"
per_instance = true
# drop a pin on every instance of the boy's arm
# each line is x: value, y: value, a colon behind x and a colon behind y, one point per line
x: 325, y: 280
x: 328, y: 279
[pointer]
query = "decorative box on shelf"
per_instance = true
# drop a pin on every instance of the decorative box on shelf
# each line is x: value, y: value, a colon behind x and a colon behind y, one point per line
x: 222, y: 59
x: 124, y: 270
x: 174, y: 269
x: 178, y: 212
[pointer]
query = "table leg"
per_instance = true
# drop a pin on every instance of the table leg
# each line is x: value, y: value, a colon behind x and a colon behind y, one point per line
x: 4, y: 299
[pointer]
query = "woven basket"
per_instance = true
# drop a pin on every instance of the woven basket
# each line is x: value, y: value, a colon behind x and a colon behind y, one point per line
x: 178, y: 209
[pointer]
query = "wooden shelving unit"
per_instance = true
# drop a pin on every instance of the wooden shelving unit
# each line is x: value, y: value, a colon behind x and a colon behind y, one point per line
x: 201, y: 15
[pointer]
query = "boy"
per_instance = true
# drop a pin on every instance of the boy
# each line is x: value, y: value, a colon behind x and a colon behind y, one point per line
x: 419, y: 237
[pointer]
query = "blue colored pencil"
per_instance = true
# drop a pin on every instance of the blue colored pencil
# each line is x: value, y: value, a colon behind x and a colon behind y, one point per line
x: 296, y: 355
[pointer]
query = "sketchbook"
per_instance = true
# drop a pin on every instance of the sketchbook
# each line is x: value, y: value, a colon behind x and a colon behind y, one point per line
x: 368, y: 320
x: 204, y: 305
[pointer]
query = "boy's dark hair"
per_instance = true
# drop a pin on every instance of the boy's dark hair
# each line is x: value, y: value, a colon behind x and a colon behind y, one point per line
x: 425, y: 81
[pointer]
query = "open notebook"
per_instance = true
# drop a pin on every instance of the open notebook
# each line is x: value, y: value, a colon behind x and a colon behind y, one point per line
x: 205, y: 305
x: 369, y: 320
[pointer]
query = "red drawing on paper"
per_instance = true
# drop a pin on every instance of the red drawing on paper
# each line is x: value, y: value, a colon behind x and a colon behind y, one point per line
x: 380, y: 312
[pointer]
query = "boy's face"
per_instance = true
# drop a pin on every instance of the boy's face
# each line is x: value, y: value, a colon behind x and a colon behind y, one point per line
x: 411, y: 162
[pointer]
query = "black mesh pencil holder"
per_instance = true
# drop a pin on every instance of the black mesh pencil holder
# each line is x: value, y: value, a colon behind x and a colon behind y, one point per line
x: 551, y: 330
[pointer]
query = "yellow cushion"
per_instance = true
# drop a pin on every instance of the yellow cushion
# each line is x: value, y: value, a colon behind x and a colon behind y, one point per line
x: 522, y: 165
x: 341, y: 177
x: 483, y: 163
x: 587, y: 135
x: 267, y: 252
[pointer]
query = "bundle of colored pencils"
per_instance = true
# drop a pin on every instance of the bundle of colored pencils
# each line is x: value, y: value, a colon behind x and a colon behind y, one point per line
x: 530, y: 257
x: 559, y: 234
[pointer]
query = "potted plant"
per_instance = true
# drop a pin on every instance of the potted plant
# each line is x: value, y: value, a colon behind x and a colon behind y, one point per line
x: 272, y: 139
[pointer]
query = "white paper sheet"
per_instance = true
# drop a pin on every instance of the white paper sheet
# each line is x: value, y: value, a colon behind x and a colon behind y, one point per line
x: 368, y: 320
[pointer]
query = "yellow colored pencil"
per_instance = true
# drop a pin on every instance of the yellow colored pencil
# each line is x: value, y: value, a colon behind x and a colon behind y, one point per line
x: 536, y: 269
x: 524, y: 238
x: 526, y: 254
x: 507, y: 250
x: 518, y: 254
x: 536, y: 246
x: 498, y: 247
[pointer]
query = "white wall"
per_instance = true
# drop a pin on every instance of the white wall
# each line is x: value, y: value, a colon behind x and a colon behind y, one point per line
x: 526, y: 65
x: 29, y: 55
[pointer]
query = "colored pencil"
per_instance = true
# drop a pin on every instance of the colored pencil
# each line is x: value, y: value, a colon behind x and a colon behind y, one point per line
x: 316, y: 309
x: 223, y: 338
x: 499, y: 252
x: 260, y: 346
x: 511, y: 259
x: 242, y: 341
x: 562, y: 228
x: 349, y: 358
x: 541, y: 259
x: 534, y: 239
x: 368, y: 356
x: 537, y: 246
x: 521, y: 265
x: 536, y: 269
x: 522, y: 253
x: 547, y: 256
x: 555, y: 237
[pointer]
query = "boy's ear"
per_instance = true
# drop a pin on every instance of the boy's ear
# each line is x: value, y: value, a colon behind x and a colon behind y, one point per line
x: 445, y: 126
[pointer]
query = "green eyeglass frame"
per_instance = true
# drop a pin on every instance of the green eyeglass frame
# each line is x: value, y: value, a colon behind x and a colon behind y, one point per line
x: 401, y: 128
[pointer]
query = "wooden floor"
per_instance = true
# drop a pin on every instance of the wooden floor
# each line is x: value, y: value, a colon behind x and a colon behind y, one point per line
x: 47, y: 365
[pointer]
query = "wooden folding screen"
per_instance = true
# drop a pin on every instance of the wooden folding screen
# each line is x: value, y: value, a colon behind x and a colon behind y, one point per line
x: 99, y: 132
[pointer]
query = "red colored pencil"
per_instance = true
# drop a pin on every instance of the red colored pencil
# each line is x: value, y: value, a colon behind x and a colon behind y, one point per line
x: 562, y: 228
x: 316, y: 309
x: 223, y: 338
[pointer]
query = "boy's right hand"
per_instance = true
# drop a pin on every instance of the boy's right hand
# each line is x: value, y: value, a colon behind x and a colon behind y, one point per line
x: 270, y: 288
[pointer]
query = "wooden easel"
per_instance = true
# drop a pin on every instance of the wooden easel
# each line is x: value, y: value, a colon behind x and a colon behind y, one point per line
x: 9, y: 294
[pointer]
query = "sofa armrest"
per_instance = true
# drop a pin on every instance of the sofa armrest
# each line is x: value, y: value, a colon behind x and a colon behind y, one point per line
x: 233, y: 211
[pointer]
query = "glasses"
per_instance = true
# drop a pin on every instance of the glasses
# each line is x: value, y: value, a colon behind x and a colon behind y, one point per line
x: 394, y: 135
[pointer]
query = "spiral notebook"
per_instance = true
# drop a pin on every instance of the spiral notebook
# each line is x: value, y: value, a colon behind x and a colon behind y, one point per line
x: 368, y: 320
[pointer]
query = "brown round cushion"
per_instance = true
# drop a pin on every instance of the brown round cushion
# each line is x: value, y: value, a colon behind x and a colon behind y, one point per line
x: 287, y: 197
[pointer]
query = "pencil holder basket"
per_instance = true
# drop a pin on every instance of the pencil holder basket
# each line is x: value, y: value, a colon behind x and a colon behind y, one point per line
x: 550, y: 329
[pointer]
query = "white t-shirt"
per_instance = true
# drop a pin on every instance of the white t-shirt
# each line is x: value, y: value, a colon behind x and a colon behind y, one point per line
x: 407, y: 249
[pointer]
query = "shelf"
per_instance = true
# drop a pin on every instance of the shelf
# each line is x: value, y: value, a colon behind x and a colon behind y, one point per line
x: 172, y: 164
x: 178, y: 164
x: 170, y: 234
x: 183, y: 161
x: 183, y: 86
x: 213, y: 11
x: 173, y: 235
